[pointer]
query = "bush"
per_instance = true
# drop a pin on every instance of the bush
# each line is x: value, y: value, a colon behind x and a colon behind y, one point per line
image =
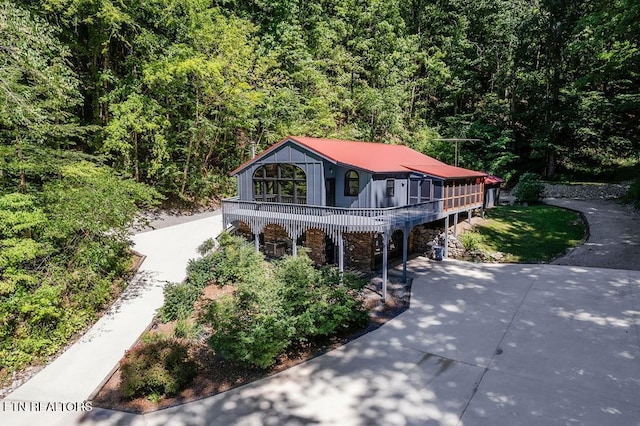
x: 186, y: 329
x: 248, y: 331
x: 207, y: 247
x: 633, y: 194
x: 87, y: 289
x: 316, y: 300
x: 178, y: 301
x: 471, y: 240
x: 161, y: 367
x: 529, y: 189
x: 292, y: 303
x: 180, y: 297
x: 236, y: 261
x: 200, y: 271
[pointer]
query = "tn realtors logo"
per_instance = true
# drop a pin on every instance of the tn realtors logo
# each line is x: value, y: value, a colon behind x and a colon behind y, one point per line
x: 44, y: 406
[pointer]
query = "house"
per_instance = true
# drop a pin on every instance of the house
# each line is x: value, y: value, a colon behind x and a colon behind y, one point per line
x: 336, y: 196
x: 492, y: 185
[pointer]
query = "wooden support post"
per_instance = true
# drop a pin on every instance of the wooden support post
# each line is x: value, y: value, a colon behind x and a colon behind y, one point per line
x: 405, y: 252
x: 295, y: 248
x: 385, y: 253
x: 256, y: 241
x: 455, y: 224
x: 340, y: 255
x: 469, y: 217
x: 446, y: 237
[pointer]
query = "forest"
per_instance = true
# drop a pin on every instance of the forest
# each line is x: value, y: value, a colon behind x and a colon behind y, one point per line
x: 109, y: 106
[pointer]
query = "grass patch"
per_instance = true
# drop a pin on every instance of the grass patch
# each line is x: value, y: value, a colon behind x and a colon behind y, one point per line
x: 529, y: 234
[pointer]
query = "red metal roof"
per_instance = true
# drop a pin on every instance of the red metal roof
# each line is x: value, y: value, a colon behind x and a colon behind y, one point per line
x: 445, y: 171
x: 373, y: 157
x: 493, y: 180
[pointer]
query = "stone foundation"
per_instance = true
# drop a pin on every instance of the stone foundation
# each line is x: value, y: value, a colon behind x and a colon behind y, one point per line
x: 273, y: 232
x: 315, y: 245
x: 243, y: 230
x: 358, y: 250
x: 421, y: 238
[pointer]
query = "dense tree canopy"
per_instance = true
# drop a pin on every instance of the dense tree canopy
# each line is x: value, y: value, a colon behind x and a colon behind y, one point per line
x: 175, y: 92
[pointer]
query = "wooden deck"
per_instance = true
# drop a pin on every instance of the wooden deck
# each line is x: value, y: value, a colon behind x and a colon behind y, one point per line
x: 334, y: 221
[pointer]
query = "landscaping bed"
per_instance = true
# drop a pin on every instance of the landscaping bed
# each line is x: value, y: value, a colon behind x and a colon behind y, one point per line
x: 216, y: 374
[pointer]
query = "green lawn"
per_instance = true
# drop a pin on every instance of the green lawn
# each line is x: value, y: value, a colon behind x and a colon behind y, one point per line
x: 527, y: 234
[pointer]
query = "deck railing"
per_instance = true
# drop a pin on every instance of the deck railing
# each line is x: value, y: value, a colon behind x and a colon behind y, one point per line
x: 330, y: 219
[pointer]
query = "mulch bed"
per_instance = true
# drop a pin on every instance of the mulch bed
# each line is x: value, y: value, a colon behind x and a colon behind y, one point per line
x: 217, y: 375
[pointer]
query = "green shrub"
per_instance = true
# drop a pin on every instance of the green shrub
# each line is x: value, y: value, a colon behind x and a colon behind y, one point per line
x: 236, y: 261
x: 161, y: 367
x: 87, y: 289
x: 291, y: 303
x: 178, y: 301
x: 104, y: 256
x: 471, y: 240
x: 247, y: 331
x: 529, y: 189
x: 180, y: 297
x: 633, y: 193
x: 207, y: 247
x: 200, y: 271
x: 185, y: 329
x: 316, y: 300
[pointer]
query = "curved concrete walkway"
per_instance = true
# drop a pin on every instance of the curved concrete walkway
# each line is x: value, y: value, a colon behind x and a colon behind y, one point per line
x: 481, y: 344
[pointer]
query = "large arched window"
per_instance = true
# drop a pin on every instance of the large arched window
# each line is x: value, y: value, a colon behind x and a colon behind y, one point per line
x: 280, y: 183
x: 351, y: 184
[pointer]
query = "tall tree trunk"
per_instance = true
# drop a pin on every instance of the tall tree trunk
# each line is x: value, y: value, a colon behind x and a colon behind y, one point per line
x: 23, y: 173
x: 192, y: 140
x: 136, y: 161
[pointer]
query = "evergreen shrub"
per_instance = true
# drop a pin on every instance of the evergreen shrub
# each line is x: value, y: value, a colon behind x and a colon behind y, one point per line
x: 274, y: 307
x: 236, y: 261
x: 633, y: 193
x: 178, y: 301
x: 530, y: 189
x: 160, y: 367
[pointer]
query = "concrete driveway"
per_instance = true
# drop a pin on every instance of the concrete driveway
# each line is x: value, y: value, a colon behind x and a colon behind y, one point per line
x: 481, y: 344
x: 614, y: 234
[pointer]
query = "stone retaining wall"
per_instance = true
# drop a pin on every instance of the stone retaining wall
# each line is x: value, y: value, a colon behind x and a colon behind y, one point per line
x: 588, y: 191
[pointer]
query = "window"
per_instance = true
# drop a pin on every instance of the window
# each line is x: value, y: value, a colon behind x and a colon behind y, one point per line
x: 351, y: 184
x: 425, y: 190
x: 391, y: 187
x: 280, y: 183
x: 414, y: 191
x: 419, y: 190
